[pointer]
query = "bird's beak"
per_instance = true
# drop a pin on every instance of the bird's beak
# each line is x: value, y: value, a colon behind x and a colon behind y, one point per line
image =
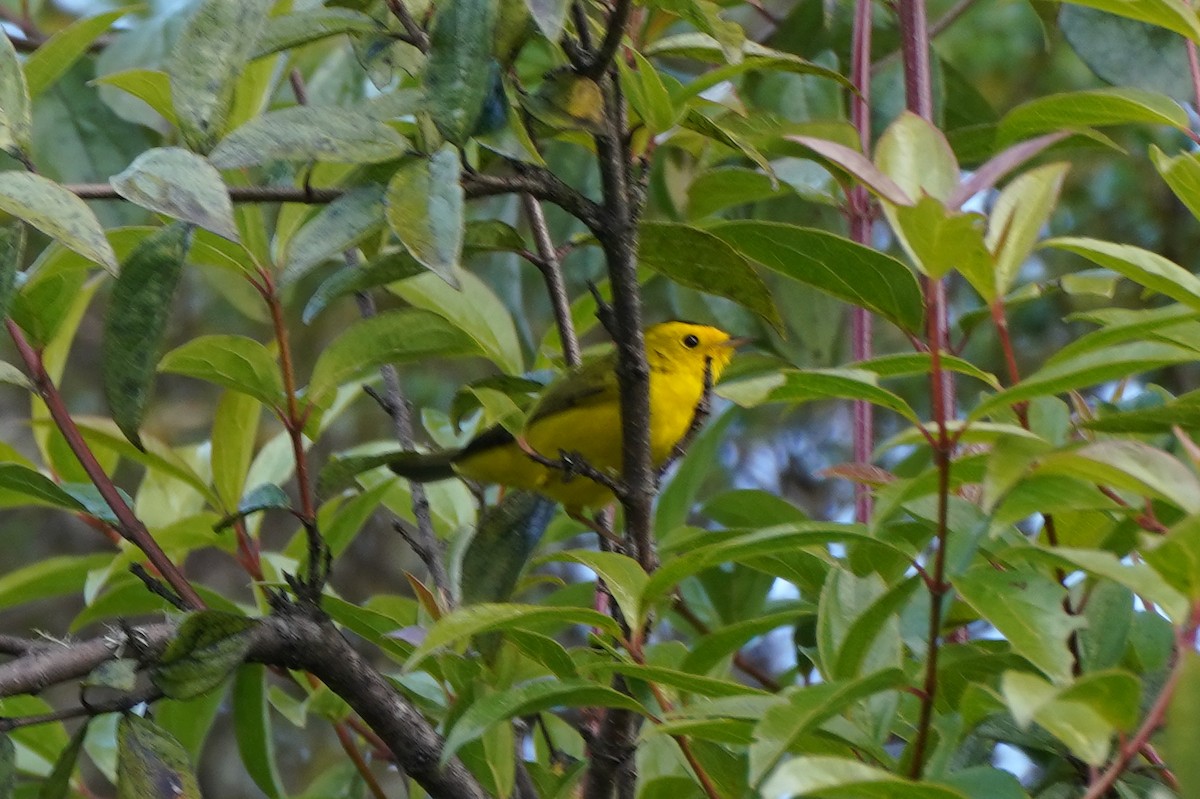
x: 739, y: 341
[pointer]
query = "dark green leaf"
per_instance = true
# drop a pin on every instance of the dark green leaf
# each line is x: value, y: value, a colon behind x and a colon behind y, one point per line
x: 851, y: 272
x: 727, y: 187
x: 507, y: 534
x: 8, y: 766
x: 32, y: 488
x: 697, y: 259
x: 208, y: 646
x: 136, y: 323
x: 457, y: 75
x: 1183, y: 725
x: 424, y: 207
x: 267, y: 496
x: 206, y: 63
x: 175, y: 182
x: 1126, y: 52
x: 149, y: 759
x: 1170, y: 14
x: 303, y: 133
x: 58, y: 213
x: 235, y: 362
x: 119, y: 675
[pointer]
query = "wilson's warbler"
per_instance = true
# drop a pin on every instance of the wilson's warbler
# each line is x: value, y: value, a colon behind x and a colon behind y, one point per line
x: 579, y: 413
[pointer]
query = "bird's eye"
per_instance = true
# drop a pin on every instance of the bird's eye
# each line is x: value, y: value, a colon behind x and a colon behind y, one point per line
x: 691, y: 341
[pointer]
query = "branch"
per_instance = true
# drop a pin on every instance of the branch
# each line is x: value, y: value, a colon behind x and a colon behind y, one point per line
x: 552, y: 272
x: 599, y: 63
x: 239, y: 194
x: 293, y: 641
x: 416, y: 35
x: 131, y: 526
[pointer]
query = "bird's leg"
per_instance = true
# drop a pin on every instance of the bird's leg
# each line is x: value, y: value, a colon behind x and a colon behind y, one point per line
x: 572, y: 464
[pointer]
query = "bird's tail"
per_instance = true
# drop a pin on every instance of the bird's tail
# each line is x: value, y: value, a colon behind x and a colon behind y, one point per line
x: 423, y: 467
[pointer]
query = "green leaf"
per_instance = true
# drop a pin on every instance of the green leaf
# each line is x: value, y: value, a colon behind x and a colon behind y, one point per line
x: 206, y: 62
x: 136, y: 323
x: 424, y: 207
x: 16, y: 121
x: 528, y: 699
x: 705, y: 16
x: 1174, y: 15
x: 1026, y: 607
x: 175, y: 182
x: 1016, y: 221
x: 785, y: 723
x: 12, y: 251
x: 1088, y: 369
x: 811, y: 384
x: 741, y: 546
x: 818, y: 775
x: 304, y: 133
x: 909, y: 364
x: 267, y: 496
x: 252, y: 726
x: 52, y: 59
x: 916, y: 155
x: 457, y: 75
x: 234, y: 435
x: 699, y: 260
x: 1183, y: 724
x: 150, y: 86
x: 32, y: 487
x: 1097, y: 107
x: 648, y: 95
x: 837, y: 266
x: 693, y: 120
x: 1126, y: 52
x: 56, y: 212
x: 725, y: 187
x: 235, y: 362
x: 623, y: 576
x: 208, y: 646
x: 387, y: 268
x: 1130, y: 466
x: 681, y: 495
x: 1146, y: 268
x: 57, y: 576
x: 466, y: 622
x: 336, y: 228
x: 58, y: 784
x: 1084, y: 715
x: 938, y: 240
x: 301, y: 27
x: 8, y: 766
x: 1176, y: 558
x: 1182, y: 174
x: 394, y: 337
x: 102, y: 434
x: 148, y: 758
x: 505, y: 537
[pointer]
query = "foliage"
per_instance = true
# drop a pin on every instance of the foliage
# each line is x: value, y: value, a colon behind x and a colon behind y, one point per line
x: 309, y: 206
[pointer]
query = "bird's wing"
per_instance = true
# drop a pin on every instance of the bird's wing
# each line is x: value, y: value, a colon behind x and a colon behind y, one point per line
x: 594, y: 383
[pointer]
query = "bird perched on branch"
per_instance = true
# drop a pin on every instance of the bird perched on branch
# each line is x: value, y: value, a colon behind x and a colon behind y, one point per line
x: 571, y: 441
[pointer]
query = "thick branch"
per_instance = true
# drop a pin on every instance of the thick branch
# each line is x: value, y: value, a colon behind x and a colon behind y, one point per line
x: 293, y: 641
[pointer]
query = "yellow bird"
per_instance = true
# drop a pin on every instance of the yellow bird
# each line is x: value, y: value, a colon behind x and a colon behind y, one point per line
x: 579, y: 413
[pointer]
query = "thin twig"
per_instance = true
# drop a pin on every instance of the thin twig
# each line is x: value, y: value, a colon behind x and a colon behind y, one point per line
x: 552, y: 273
x: 613, y: 34
x: 416, y: 35
x: 116, y: 704
x: 424, y: 541
x: 157, y: 587
x: 341, y: 729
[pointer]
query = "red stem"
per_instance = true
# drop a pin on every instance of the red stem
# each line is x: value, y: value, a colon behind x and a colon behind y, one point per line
x: 131, y: 526
x: 861, y: 214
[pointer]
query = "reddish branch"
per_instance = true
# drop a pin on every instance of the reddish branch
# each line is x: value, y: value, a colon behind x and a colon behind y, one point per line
x: 131, y: 526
